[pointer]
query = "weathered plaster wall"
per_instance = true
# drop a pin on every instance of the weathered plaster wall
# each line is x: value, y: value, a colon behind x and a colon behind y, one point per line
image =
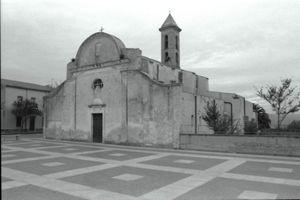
x: 187, y: 111
x: 71, y: 118
x: 202, y: 101
x: 152, y: 112
x: 249, y: 110
x: 99, y: 48
x: 111, y: 96
x: 237, y: 106
x: 158, y: 71
x: 10, y: 94
x: 59, y: 114
x: 274, y: 145
x: 189, y: 82
x: 202, y: 86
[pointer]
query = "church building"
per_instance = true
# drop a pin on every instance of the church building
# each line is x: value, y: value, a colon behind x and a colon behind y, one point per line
x: 114, y: 94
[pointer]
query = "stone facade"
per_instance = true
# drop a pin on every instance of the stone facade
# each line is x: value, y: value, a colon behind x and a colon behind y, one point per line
x: 138, y: 100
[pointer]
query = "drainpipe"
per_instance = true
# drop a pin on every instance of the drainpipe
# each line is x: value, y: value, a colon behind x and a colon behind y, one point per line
x: 75, y: 106
x: 244, y: 107
x: 126, y: 116
x: 195, y: 114
x: 231, y: 117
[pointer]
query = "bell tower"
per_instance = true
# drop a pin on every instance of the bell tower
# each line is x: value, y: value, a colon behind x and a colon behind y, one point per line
x: 170, y: 43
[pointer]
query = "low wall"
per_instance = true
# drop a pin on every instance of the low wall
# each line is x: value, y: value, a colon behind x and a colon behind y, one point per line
x: 272, y: 145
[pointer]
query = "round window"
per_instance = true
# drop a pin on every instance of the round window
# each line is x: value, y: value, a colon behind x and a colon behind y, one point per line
x: 97, y: 83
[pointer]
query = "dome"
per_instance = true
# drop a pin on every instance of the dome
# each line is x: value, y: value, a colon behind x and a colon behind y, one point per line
x: 99, y: 48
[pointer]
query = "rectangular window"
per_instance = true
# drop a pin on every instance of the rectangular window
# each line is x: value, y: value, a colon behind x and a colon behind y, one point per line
x: 18, y: 121
x: 167, y: 57
x: 176, y: 42
x: 157, y: 72
x: 180, y: 77
x: 166, y: 42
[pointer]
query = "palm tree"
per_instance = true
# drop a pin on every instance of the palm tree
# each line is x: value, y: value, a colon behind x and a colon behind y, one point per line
x: 262, y: 117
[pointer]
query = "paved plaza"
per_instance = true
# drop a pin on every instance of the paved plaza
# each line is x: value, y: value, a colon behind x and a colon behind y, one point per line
x: 37, y: 169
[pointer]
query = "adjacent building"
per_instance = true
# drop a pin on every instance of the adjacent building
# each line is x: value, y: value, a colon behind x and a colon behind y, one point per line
x: 114, y: 94
x: 16, y: 90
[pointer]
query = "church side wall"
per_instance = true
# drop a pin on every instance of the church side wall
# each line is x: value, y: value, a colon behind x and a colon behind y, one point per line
x: 159, y: 72
x: 59, y: 112
x: 189, y: 82
x: 153, y: 112
x: 202, y: 88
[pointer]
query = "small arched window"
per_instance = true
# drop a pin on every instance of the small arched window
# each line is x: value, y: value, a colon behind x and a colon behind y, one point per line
x: 167, y: 58
x: 176, y: 42
x: 97, y: 83
x: 166, y: 42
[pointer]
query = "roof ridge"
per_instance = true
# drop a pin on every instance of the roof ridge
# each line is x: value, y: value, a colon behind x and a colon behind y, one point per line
x: 169, y: 22
x: 21, y: 84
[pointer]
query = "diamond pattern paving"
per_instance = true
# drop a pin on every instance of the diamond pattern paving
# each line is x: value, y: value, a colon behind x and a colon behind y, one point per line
x: 186, y: 162
x: 51, y: 165
x: 269, y: 170
x: 33, y: 145
x: 13, y: 155
x: 73, y: 172
x: 222, y: 188
x: 35, y: 193
x: 71, y: 149
x: 117, y: 155
x: 147, y: 180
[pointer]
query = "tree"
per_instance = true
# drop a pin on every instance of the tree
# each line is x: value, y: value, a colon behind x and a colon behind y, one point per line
x: 281, y: 99
x: 216, y: 121
x: 262, y: 117
x: 250, y: 127
x: 294, y: 125
x: 25, y: 109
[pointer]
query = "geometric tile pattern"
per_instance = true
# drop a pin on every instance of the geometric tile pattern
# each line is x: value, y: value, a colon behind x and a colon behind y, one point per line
x: 16, y: 155
x: 190, y: 162
x: 70, y: 149
x: 8, y: 155
x: 224, y: 188
x: 33, y: 145
x: 48, y: 169
x: 256, y: 195
x: 278, y: 169
x: 120, y: 155
x: 125, y: 180
x: 52, y: 164
x: 117, y: 154
x: 127, y: 177
x: 35, y: 192
x: 184, y: 161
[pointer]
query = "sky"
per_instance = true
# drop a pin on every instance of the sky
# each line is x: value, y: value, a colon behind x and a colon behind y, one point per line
x: 239, y: 45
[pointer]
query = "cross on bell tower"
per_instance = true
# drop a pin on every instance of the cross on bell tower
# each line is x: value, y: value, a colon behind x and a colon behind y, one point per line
x: 170, y: 43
